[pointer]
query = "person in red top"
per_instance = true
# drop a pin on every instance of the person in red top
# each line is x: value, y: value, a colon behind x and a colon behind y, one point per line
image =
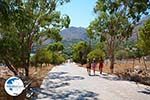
x: 101, y: 61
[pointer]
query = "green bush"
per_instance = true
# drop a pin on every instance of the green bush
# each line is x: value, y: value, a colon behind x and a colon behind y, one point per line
x: 121, y: 54
x: 56, y: 58
x: 96, y: 54
x: 32, y: 60
x: 80, y: 51
x: 45, y: 56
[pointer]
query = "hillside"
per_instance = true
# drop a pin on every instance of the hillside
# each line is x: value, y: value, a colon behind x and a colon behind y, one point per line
x: 74, y: 33
x: 137, y: 27
x: 71, y: 36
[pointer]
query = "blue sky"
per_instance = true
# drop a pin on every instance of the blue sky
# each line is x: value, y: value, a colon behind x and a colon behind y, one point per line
x: 80, y: 12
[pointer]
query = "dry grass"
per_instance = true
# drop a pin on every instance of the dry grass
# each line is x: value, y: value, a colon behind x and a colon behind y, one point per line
x: 125, y: 70
x: 121, y: 66
x: 38, y: 74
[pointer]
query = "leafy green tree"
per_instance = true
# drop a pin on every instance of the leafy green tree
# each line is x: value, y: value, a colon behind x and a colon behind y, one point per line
x: 96, y: 54
x: 30, y: 21
x: 134, y: 9
x: 56, y: 53
x: 43, y: 56
x: 56, y: 47
x: 114, y: 28
x: 57, y: 58
x: 90, y: 33
x: 115, y: 21
x: 10, y: 51
x: 144, y: 38
x: 80, y: 51
x: 122, y: 54
x: 4, y: 10
x: 33, y: 61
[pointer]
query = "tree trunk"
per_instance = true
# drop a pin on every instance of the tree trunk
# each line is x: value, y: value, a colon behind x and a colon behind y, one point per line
x: 26, y: 68
x: 145, y: 63
x: 27, y: 62
x: 28, y: 50
x: 26, y: 71
x: 111, y: 45
x: 112, y: 59
x: 11, y: 67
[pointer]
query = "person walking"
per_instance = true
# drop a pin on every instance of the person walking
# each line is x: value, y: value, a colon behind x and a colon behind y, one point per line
x: 88, y: 66
x: 101, y: 64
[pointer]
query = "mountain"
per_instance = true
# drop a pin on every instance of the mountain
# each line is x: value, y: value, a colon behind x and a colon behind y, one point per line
x: 71, y: 36
x: 74, y: 33
x: 137, y: 27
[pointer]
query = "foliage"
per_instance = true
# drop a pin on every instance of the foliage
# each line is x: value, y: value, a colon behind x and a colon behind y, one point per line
x: 47, y: 57
x: 56, y: 53
x: 57, y: 58
x: 33, y: 61
x: 96, y: 54
x: 114, y: 22
x: 42, y: 56
x: 122, y: 54
x: 144, y: 38
x: 90, y: 31
x: 113, y: 27
x: 30, y: 21
x: 58, y: 46
x: 134, y: 9
x: 80, y: 51
x: 10, y: 45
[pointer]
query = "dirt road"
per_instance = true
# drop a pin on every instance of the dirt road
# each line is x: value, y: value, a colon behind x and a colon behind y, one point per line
x: 70, y: 82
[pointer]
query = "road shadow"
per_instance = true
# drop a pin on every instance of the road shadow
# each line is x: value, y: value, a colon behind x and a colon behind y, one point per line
x: 51, y: 84
x: 63, y: 77
x: 145, y: 91
x: 56, y: 80
x: 68, y: 95
x: 94, y: 75
x: 110, y: 77
x: 59, y: 79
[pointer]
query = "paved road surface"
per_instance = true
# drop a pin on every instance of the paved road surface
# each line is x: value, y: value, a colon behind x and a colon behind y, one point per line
x: 70, y: 82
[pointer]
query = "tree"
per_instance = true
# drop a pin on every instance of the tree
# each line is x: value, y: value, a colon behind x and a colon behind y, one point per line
x: 56, y: 47
x: 30, y: 21
x: 121, y: 54
x: 90, y: 33
x: 80, y: 51
x: 56, y: 53
x: 57, y: 58
x: 115, y: 21
x: 144, y: 38
x: 114, y: 28
x: 42, y: 56
x: 96, y: 54
x: 9, y: 45
x: 143, y: 42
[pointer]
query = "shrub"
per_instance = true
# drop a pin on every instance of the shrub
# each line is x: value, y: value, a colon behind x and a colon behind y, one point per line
x: 96, y: 54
